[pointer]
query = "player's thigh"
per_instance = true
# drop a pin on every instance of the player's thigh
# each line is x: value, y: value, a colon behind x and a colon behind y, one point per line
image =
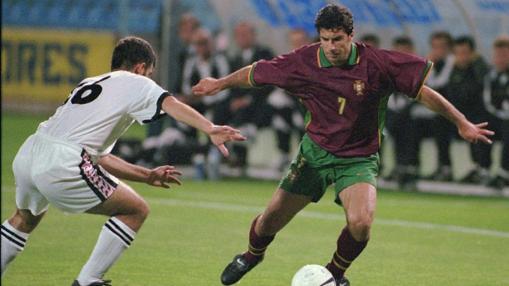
x: 28, y: 196
x: 281, y: 209
x: 69, y: 179
x: 359, y: 202
x: 284, y: 203
x: 305, y: 179
x: 124, y: 201
x: 356, y: 171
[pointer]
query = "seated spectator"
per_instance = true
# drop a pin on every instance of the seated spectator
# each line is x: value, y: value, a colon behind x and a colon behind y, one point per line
x: 205, y: 63
x: 187, y: 27
x: 374, y: 41
x: 441, y: 55
x: 465, y: 89
x: 398, y: 125
x: 288, y: 111
x: 249, y: 108
x: 153, y: 155
x: 496, y: 102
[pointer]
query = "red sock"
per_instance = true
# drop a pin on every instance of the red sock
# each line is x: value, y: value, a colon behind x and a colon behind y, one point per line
x: 257, y: 244
x: 347, y: 250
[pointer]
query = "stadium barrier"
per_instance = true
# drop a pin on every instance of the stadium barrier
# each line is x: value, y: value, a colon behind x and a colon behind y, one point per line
x: 41, y: 66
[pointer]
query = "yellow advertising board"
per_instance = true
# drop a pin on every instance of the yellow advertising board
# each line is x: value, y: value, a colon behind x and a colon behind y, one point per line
x: 43, y: 65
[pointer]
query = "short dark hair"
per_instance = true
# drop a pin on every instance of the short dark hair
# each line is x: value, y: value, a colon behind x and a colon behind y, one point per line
x: 465, y: 40
x: 371, y: 38
x: 403, y: 41
x: 334, y: 17
x: 130, y: 51
x: 501, y: 42
x: 442, y: 35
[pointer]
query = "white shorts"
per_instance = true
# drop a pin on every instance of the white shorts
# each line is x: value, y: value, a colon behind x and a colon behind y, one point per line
x: 49, y: 170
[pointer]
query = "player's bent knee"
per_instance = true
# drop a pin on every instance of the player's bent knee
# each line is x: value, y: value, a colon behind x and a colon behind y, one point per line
x: 360, y: 226
x: 138, y: 210
x: 24, y: 221
x: 135, y: 204
x: 143, y: 210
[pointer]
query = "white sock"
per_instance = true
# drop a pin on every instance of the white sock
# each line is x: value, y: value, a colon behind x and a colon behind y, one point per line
x: 13, y: 242
x: 115, y: 237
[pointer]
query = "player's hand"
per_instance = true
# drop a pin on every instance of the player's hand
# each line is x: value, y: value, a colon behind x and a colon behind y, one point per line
x: 164, y: 175
x: 474, y: 133
x: 207, y: 86
x: 222, y: 134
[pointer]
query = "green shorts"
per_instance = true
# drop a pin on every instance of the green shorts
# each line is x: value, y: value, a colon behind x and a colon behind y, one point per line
x: 314, y: 169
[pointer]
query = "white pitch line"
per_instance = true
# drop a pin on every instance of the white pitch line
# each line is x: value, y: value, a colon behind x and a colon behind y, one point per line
x: 328, y: 216
x: 321, y: 215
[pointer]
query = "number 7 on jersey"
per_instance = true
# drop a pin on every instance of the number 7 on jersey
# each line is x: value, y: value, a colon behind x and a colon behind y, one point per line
x: 342, y: 103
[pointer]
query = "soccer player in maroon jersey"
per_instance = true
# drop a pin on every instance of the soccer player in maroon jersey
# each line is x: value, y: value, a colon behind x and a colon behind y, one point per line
x: 345, y: 87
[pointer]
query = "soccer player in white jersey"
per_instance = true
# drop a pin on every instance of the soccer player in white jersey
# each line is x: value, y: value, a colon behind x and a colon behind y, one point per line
x: 67, y: 162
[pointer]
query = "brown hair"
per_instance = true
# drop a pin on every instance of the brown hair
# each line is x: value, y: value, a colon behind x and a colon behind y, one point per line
x: 501, y: 42
x: 130, y: 51
x: 334, y: 17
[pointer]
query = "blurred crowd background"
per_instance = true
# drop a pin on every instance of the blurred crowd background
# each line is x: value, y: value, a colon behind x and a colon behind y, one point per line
x: 48, y: 46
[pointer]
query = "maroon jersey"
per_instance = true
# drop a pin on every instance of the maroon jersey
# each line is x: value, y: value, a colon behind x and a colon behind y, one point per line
x: 346, y: 104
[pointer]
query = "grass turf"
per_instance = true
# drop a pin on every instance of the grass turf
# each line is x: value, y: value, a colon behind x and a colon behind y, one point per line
x: 193, y: 231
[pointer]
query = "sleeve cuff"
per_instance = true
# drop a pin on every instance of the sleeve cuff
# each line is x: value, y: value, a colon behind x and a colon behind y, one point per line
x: 425, y: 74
x: 158, y: 113
x: 250, y: 76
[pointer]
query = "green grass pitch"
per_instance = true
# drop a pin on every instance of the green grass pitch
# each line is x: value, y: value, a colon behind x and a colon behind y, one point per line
x: 194, y: 230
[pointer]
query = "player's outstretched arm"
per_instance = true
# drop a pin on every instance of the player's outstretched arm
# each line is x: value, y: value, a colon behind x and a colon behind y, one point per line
x: 160, y: 176
x: 211, y: 86
x: 469, y: 131
x: 185, y: 113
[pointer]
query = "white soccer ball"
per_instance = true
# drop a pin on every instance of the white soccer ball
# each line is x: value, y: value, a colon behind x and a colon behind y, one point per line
x: 313, y: 275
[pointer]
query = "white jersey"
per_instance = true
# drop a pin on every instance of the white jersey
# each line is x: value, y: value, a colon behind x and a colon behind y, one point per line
x: 100, y: 109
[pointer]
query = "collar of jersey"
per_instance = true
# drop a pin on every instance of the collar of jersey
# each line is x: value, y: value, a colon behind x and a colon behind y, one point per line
x: 353, y: 59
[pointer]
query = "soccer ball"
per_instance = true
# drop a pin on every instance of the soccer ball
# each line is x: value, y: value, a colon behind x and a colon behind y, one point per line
x: 313, y: 275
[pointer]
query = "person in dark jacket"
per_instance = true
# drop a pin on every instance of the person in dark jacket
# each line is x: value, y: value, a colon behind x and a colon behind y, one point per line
x: 440, y: 54
x: 249, y: 108
x: 465, y: 89
x: 496, y: 102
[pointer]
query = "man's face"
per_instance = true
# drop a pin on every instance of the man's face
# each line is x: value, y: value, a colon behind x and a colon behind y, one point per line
x: 202, y: 45
x: 463, y: 54
x: 186, y: 30
x: 244, y: 36
x: 439, y: 48
x: 336, y: 44
x: 501, y: 58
